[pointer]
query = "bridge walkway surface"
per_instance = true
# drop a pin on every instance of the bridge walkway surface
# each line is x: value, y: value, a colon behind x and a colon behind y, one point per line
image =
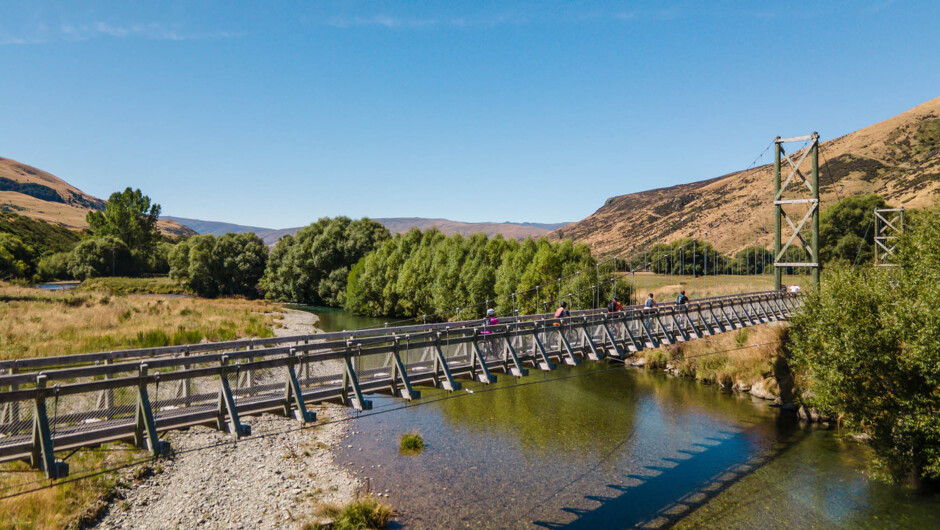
x: 64, y: 403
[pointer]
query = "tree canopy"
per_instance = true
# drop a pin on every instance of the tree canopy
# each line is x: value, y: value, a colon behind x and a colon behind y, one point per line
x: 311, y: 267
x: 426, y: 273
x: 129, y: 216
x: 16, y: 258
x: 100, y: 256
x: 845, y: 231
x: 211, y: 266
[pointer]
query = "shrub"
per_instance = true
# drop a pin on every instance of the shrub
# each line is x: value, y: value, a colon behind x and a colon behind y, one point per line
x: 54, y: 266
x: 367, y: 512
x: 15, y: 258
x: 866, y: 344
x: 410, y: 443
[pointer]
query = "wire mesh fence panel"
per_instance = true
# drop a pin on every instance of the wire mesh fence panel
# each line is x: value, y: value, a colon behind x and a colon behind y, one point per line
x: 194, y: 395
x: 320, y: 374
x: 16, y: 422
x: 75, y: 413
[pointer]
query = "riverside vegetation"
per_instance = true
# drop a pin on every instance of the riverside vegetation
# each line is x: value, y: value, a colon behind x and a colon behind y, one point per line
x: 865, y: 348
x: 862, y: 351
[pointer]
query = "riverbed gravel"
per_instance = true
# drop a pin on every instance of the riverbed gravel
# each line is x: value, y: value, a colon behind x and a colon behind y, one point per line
x: 279, y: 477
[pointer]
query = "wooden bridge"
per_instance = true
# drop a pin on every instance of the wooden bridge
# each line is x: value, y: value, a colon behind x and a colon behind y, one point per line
x: 68, y: 402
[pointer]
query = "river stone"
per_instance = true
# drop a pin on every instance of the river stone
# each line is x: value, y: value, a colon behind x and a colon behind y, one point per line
x: 765, y: 389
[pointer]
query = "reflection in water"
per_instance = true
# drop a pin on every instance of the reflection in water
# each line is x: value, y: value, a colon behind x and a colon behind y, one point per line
x: 333, y: 319
x: 608, y: 447
x: 600, y: 446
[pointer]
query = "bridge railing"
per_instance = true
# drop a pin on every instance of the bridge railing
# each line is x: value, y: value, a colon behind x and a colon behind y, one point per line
x: 136, y: 394
x: 14, y: 366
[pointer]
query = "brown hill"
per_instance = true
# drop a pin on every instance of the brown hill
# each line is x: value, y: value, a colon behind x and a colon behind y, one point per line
x: 35, y: 193
x: 394, y: 224
x: 448, y: 227
x: 898, y: 159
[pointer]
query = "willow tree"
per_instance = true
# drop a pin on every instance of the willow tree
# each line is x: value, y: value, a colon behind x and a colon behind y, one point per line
x: 866, y: 346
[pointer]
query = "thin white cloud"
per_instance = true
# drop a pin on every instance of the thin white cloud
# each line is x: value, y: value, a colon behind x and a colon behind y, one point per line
x: 404, y: 23
x: 83, y: 32
x: 384, y: 21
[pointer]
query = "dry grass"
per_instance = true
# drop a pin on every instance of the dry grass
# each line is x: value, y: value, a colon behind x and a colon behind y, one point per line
x: 35, y: 323
x: 724, y: 359
x: 71, y: 504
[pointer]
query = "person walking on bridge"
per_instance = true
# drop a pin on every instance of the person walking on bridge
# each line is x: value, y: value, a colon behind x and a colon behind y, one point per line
x: 650, y: 302
x: 489, y: 346
x: 614, y: 306
x: 682, y: 299
x: 560, y: 315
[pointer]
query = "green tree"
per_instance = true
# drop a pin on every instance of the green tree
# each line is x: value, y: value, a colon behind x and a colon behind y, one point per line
x: 312, y: 266
x: 16, y: 259
x: 100, y: 256
x: 846, y: 234
x: 415, y: 275
x: 866, y: 347
x: 54, y: 266
x: 232, y: 264
x: 130, y: 217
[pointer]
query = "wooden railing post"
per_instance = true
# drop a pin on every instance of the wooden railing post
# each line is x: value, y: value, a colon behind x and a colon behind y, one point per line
x: 43, y: 452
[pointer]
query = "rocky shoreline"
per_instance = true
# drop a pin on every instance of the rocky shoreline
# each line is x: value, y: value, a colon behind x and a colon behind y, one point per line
x: 768, y: 388
x: 276, y: 478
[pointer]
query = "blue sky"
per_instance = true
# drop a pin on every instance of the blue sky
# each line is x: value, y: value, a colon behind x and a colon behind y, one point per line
x: 277, y: 113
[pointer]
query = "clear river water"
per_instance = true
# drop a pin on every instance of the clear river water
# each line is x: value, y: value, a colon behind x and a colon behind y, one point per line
x: 604, y: 446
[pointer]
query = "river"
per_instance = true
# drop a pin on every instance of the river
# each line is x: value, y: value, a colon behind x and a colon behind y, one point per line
x: 603, y: 446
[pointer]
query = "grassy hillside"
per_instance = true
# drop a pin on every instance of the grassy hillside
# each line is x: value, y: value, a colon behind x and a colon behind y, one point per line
x: 898, y: 159
x: 41, y: 236
x: 36, y: 194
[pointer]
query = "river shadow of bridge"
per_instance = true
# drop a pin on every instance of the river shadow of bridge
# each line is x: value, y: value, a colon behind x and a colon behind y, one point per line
x: 688, y: 482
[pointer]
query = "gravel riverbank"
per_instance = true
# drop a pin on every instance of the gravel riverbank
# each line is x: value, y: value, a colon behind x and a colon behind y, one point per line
x: 275, y: 478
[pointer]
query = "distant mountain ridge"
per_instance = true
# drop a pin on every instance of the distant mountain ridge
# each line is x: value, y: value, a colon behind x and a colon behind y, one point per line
x: 898, y: 158
x: 394, y: 224
x: 37, y: 194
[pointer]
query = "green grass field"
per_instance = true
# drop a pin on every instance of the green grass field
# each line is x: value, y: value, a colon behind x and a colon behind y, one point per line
x: 666, y: 287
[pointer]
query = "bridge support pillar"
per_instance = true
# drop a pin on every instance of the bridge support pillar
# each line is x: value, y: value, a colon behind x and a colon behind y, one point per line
x: 145, y: 428
x: 227, y: 419
x: 479, y: 371
x: 617, y: 352
x: 351, y: 382
x: 43, y: 452
x: 442, y: 376
x: 400, y: 376
x: 516, y: 369
x: 542, y: 360
x: 593, y: 353
x: 294, y: 404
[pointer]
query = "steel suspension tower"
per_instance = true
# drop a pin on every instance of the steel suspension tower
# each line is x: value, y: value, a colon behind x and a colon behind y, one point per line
x: 781, y: 192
